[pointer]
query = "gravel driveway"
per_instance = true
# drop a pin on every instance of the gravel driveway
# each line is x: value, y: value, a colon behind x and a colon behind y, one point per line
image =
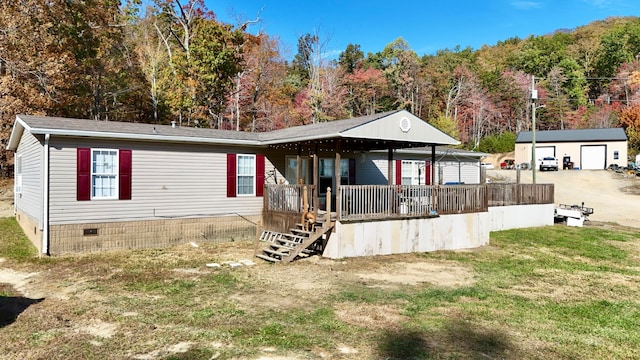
x: 615, y: 197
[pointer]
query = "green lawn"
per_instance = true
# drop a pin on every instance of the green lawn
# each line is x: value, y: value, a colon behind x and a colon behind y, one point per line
x: 546, y: 293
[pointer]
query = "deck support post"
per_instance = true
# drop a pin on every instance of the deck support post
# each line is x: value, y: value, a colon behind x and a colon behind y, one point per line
x: 434, y: 194
x: 390, y: 178
x: 328, y: 213
x: 298, y: 166
x: 316, y: 163
x: 338, y: 176
x: 433, y: 165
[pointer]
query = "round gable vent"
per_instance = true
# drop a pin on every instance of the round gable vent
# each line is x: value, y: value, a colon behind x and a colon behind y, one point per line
x: 405, y: 124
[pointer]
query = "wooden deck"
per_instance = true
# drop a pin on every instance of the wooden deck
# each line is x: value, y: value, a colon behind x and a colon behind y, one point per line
x: 374, y: 202
x: 356, y: 204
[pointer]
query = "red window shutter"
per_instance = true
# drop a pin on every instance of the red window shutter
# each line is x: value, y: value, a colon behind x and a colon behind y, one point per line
x: 427, y: 173
x: 231, y: 175
x: 352, y: 171
x: 83, y: 173
x: 259, y: 174
x: 398, y: 172
x: 124, y: 174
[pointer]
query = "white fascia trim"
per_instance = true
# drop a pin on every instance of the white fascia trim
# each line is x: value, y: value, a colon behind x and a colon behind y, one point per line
x: 438, y: 152
x: 110, y: 135
x: 339, y: 135
x: 14, y: 138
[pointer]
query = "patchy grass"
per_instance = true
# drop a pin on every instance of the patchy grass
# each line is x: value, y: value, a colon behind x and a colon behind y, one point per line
x: 13, y: 243
x: 553, y: 292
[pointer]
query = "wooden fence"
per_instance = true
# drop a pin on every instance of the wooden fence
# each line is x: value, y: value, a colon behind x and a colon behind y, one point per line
x: 520, y: 194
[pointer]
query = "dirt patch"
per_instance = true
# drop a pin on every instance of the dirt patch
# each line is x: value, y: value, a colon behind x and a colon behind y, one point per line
x: 20, y: 281
x: 6, y: 198
x: 438, y: 274
x: 370, y: 316
x: 178, y: 348
x: 97, y: 328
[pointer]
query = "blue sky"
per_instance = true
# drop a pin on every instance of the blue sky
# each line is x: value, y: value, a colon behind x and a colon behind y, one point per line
x: 426, y: 25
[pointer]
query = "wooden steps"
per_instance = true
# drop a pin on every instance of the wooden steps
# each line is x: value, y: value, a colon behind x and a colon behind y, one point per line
x: 285, y: 247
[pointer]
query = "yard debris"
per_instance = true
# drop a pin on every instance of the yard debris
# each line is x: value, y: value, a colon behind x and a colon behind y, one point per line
x: 193, y: 244
x: 573, y: 215
x: 232, y: 264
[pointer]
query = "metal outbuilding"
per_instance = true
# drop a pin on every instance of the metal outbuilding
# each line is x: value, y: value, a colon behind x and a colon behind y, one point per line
x: 589, y: 149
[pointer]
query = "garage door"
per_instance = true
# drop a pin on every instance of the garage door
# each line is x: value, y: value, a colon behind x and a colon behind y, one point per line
x: 542, y: 151
x: 593, y: 157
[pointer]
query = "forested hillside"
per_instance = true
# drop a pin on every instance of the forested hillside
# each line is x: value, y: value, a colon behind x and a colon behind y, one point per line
x: 111, y: 60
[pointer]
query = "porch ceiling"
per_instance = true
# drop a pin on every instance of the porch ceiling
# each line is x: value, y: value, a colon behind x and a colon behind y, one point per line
x: 346, y: 145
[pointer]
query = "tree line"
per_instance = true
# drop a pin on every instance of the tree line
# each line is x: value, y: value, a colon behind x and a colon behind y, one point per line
x: 173, y: 61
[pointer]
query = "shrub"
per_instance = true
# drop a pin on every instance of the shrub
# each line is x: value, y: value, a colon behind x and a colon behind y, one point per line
x: 499, y: 143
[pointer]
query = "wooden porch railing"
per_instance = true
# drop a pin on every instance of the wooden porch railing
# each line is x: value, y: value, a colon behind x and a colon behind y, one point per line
x: 367, y: 202
x: 370, y: 201
x: 520, y: 194
x: 286, y: 198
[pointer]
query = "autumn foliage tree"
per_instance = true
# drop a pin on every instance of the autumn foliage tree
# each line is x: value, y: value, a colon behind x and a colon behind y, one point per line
x: 630, y: 121
x: 109, y: 60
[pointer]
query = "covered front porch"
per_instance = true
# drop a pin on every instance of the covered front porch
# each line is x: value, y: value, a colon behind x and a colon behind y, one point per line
x: 320, y: 160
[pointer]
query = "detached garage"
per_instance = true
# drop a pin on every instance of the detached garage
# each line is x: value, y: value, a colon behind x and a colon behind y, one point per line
x: 589, y: 149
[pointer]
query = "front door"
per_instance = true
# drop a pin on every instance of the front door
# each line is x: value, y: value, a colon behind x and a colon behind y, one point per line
x: 326, y: 175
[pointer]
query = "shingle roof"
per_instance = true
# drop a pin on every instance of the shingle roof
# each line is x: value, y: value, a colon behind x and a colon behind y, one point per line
x: 329, y: 128
x: 56, y: 126
x: 580, y: 135
x: 114, y: 127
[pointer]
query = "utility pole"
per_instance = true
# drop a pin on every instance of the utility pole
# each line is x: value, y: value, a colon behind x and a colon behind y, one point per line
x: 534, y: 97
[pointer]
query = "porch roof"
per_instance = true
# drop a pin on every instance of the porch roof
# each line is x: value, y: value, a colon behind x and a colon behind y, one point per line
x: 442, y: 152
x: 398, y: 128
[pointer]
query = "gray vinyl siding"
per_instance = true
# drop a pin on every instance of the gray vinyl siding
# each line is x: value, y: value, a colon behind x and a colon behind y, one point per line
x: 453, y: 171
x: 470, y: 172
x: 168, y: 181
x: 30, y: 200
x: 372, y: 170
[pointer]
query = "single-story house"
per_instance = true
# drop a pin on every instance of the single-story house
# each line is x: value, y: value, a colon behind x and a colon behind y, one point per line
x: 588, y: 149
x: 83, y: 185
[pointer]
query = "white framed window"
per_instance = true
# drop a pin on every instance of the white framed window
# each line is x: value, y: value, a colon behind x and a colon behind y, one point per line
x: 104, y: 174
x: 18, y: 171
x: 246, y: 175
x: 413, y: 172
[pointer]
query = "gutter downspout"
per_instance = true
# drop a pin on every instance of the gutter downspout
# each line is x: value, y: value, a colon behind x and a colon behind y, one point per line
x: 45, y: 198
